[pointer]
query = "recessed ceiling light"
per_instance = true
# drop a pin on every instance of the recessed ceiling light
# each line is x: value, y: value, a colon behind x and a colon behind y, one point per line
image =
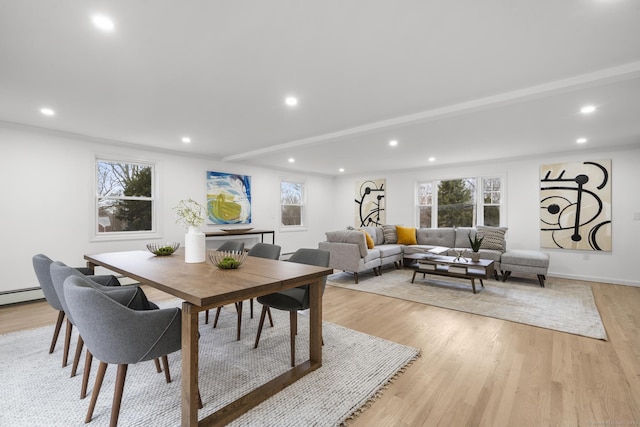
x: 103, y: 22
x: 588, y: 109
x: 581, y: 140
x: 291, y: 101
x: 47, y: 111
x: 186, y: 139
x: 393, y: 143
x: 432, y: 159
x: 291, y: 160
x: 341, y: 170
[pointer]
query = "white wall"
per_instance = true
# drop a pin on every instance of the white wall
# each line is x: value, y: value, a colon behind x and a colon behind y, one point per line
x: 46, y: 183
x: 522, y: 180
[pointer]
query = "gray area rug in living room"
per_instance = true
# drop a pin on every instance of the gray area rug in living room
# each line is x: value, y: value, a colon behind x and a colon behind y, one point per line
x: 36, y: 391
x: 562, y: 305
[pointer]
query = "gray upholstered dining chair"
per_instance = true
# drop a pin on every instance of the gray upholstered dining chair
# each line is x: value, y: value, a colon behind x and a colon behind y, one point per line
x: 129, y: 296
x: 116, y: 334
x: 227, y: 246
x: 295, y: 299
x: 42, y: 268
x: 259, y: 250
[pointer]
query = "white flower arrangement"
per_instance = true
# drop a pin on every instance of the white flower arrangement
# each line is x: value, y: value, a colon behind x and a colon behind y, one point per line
x: 190, y: 213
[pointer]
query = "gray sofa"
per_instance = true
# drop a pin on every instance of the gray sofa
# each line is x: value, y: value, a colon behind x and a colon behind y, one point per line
x: 349, y: 251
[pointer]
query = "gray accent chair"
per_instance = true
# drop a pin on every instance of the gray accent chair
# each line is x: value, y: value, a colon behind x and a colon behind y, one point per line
x: 260, y: 250
x: 129, y: 296
x: 227, y: 246
x: 295, y: 299
x: 116, y: 334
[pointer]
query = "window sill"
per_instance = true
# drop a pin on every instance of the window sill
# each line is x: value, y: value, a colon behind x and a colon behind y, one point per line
x: 114, y: 237
x: 293, y: 228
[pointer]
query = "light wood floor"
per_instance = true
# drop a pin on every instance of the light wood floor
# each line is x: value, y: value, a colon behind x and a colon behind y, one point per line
x: 478, y: 371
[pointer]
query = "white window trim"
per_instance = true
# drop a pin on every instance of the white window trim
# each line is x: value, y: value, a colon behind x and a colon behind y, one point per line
x: 156, y: 217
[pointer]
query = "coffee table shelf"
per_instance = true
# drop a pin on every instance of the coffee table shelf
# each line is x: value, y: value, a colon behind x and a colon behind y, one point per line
x: 453, y: 267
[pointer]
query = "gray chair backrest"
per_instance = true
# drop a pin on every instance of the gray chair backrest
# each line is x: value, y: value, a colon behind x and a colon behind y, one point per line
x: 42, y: 268
x: 232, y: 245
x: 117, y: 334
x: 316, y: 257
x: 265, y: 250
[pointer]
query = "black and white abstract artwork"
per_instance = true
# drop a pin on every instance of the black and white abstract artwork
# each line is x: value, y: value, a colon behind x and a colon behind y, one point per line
x: 575, y: 205
x: 370, y: 203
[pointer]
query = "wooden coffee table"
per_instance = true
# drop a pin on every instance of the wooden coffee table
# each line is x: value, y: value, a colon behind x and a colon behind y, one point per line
x: 455, y: 267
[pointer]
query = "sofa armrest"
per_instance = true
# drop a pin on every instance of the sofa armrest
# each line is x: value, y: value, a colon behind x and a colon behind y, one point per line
x: 343, y: 256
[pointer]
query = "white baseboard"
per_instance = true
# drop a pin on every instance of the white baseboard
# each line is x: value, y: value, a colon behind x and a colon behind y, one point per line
x: 21, y: 295
x: 635, y: 283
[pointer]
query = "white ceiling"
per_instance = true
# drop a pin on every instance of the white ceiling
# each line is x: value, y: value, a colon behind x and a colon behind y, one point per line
x: 459, y: 80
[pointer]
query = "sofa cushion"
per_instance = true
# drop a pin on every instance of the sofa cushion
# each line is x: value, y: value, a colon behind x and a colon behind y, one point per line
x: 406, y: 235
x: 389, y: 250
x: 371, y: 255
x: 437, y: 237
x: 493, y: 237
x: 390, y: 234
x: 462, y: 236
x: 379, y: 238
x: 373, y: 232
x: 368, y: 239
x: 349, y: 236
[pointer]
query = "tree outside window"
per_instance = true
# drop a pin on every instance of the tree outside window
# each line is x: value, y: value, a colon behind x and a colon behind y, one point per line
x: 124, y: 197
x: 456, y: 203
x: 291, y: 204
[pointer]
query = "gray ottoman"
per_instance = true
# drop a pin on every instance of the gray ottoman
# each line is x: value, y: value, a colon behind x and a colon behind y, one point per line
x: 524, y: 261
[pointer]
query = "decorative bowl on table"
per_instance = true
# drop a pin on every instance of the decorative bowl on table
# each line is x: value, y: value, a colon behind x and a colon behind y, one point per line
x: 227, y: 259
x: 236, y: 230
x: 163, y: 249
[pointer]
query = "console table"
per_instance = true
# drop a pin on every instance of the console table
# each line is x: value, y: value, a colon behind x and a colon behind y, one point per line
x: 453, y: 267
x: 243, y: 233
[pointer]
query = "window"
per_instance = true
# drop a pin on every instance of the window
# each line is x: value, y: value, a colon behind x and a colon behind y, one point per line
x: 491, y: 189
x: 291, y: 204
x: 124, y: 198
x: 460, y: 202
x: 425, y: 204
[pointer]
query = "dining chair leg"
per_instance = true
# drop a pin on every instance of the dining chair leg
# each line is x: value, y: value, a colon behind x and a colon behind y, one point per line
x: 215, y: 321
x: 96, y: 390
x: 156, y: 361
x: 262, y: 316
x: 88, y: 359
x: 76, y: 357
x: 67, y: 343
x: 251, y: 308
x: 206, y: 317
x: 117, y: 395
x: 239, y: 311
x: 56, y: 332
x: 270, y: 318
x: 165, y: 365
x: 200, y: 405
x: 293, y: 320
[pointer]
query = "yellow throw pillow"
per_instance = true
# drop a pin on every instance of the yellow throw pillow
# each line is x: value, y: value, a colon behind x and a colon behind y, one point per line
x: 406, y: 235
x: 369, y: 239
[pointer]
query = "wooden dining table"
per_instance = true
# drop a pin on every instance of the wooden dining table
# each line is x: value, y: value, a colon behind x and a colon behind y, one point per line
x: 203, y: 286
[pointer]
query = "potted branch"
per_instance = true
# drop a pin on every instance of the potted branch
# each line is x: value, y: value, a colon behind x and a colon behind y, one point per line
x: 191, y: 214
x: 475, y: 243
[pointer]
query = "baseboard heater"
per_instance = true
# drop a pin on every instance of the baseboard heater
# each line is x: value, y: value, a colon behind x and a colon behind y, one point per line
x: 21, y: 295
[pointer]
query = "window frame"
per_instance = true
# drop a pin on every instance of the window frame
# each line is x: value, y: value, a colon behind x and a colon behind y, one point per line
x: 303, y: 211
x: 479, y: 199
x: 95, y: 234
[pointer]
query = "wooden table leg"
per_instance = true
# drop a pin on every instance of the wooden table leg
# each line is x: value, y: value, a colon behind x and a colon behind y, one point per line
x: 315, y: 322
x: 189, y: 393
x: 473, y: 285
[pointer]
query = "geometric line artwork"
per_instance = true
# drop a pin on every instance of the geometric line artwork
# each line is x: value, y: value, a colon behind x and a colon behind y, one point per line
x: 575, y: 206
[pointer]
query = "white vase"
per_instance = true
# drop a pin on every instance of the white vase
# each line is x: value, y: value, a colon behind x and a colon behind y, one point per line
x: 194, y: 246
